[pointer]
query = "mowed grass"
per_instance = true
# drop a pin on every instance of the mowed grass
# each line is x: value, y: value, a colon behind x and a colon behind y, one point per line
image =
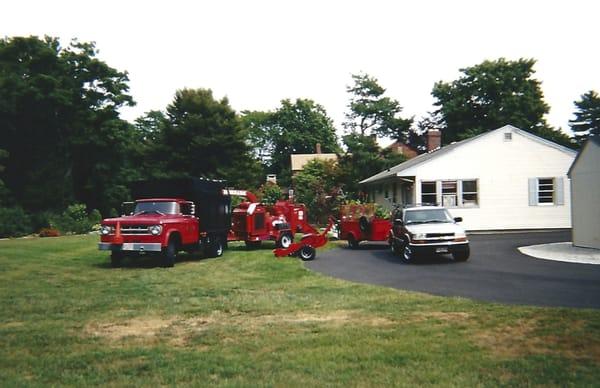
x: 249, y: 319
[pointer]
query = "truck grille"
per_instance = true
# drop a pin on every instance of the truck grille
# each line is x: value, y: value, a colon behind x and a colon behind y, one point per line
x: 439, y: 235
x: 134, y: 229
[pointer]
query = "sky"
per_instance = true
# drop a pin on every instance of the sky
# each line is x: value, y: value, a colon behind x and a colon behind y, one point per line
x: 257, y: 53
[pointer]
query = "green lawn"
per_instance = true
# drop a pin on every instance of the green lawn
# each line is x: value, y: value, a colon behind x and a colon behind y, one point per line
x: 249, y: 319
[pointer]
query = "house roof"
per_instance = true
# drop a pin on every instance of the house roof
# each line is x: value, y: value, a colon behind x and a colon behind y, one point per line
x: 591, y: 139
x: 300, y: 160
x: 424, y: 158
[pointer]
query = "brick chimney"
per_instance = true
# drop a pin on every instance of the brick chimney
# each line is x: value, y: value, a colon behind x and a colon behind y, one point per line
x: 434, y: 139
x: 318, y: 148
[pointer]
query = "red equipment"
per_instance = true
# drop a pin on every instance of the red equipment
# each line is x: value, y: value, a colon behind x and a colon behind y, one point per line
x: 359, y: 223
x: 306, y: 248
x: 254, y: 222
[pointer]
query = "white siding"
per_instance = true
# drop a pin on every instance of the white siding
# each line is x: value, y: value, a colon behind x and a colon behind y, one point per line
x: 503, y: 169
x: 585, y: 182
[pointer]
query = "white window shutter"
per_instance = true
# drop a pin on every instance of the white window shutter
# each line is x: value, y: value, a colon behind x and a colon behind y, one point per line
x: 559, y: 190
x: 533, y: 198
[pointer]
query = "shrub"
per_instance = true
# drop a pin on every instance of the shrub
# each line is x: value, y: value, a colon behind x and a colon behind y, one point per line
x: 75, y: 219
x: 14, y: 222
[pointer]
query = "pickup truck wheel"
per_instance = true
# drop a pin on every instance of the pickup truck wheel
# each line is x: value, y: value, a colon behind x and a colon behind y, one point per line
x: 407, y: 254
x: 352, y: 242
x: 170, y: 254
x: 115, y: 259
x: 215, y: 248
x: 307, y: 253
x: 284, y: 241
x: 461, y: 256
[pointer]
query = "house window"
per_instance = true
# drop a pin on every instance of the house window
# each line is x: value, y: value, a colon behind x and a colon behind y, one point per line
x: 545, y: 191
x: 428, y: 192
x: 469, y: 193
x: 449, y: 193
x: 455, y: 193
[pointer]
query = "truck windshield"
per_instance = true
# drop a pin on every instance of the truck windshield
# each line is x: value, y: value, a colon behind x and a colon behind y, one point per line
x: 427, y: 215
x: 157, y: 207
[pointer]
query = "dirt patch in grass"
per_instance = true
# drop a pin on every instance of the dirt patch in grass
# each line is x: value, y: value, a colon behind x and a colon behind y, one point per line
x: 520, y: 339
x: 444, y: 316
x: 177, y: 330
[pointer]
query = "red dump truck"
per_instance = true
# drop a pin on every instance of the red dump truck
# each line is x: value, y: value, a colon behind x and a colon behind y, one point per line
x: 168, y: 216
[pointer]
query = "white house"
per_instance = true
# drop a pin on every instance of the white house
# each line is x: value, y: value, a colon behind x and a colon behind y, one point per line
x: 585, y: 195
x: 503, y: 179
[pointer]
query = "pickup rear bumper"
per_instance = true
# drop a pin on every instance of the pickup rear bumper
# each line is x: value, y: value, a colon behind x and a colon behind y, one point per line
x: 132, y: 247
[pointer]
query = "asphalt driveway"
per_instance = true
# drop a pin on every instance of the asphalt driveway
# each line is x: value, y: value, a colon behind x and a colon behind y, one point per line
x: 496, y: 272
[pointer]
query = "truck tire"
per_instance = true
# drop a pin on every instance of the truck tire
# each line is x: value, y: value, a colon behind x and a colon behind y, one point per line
x: 461, y: 256
x: 115, y: 259
x: 395, y: 247
x: 307, y: 253
x: 215, y: 247
x: 170, y: 254
x: 285, y: 240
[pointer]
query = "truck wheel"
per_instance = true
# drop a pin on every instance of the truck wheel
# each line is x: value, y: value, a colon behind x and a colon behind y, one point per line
x: 307, y: 253
x: 461, y: 256
x: 115, y: 259
x: 284, y: 241
x: 407, y: 254
x: 352, y: 242
x: 215, y: 247
x: 170, y: 254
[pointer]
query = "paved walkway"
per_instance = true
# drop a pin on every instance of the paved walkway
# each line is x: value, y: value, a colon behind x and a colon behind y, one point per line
x: 563, y: 251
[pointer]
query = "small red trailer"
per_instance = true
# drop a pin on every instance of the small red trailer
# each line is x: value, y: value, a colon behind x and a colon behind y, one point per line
x: 359, y: 222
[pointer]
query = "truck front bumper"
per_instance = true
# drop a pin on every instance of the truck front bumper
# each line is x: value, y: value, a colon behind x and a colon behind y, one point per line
x: 132, y: 247
x: 436, y: 249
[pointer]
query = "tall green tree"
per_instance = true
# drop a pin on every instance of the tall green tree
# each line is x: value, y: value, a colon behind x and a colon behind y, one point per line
x: 490, y: 95
x: 370, y: 112
x: 317, y: 187
x: 202, y: 136
x: 294, y: 128
x: 587, y: 117
x: 59, y: 123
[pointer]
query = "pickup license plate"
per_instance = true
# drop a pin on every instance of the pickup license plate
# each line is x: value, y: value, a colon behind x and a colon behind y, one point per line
x: 441, y: 250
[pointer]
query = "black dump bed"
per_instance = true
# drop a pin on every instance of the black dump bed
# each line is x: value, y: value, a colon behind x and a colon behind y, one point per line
x: 213, y: 208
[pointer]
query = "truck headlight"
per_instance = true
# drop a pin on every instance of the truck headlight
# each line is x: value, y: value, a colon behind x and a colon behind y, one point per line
x: 155, y: 230
x: 418, y: 236
x: 106, y: 230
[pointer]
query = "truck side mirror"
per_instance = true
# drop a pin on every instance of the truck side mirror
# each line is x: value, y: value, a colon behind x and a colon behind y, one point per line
x: 458, y: 219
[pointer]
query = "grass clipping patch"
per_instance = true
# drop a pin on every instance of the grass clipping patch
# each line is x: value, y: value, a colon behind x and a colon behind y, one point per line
x: 178, y: 330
